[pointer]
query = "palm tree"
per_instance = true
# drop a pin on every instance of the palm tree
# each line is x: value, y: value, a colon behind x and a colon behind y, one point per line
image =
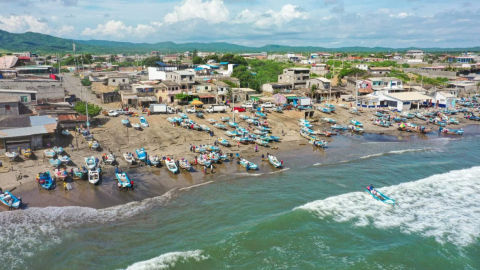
x: 313, y: 90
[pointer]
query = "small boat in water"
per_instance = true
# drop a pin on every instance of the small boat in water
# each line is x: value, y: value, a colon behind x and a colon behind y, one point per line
x: 129, y: 157
x: 90, y: 162
x: 355, y: 128
x: 451, y: 131
x: 248, y: 165
x: 45, y: 180
x: 143, y: 121
x: 377, y: 195
x: 141, y: 154
x: 64, y: 159
x: 184, y: 164
x: 11, y: 155
x: 10, y: 200
x: 94, y: 176
x: 314, y: 142
x: 55, y: 162
x: 58, y: 150
x: 125, y: 122
x: 155, y: 160
x: 339, y: 127
x: 65, y: 132
x: 123, y: 180
x: 274, y: 161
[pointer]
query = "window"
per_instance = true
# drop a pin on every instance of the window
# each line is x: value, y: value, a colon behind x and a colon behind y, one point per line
x: 7, y: 107
x: 123, y: 80
x: 23, y: 99
x: 113, y: 80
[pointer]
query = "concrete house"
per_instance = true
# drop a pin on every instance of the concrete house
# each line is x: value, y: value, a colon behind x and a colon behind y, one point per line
x: 296, y: 77
x: 185, y: 78
x: 379, y: 70
x: 116, y: 80
x: 9, y: 106
x: 416, y: 54
x: 276, y: 87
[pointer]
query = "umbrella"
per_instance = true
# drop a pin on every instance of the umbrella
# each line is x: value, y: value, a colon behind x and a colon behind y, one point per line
x: 196, y: 102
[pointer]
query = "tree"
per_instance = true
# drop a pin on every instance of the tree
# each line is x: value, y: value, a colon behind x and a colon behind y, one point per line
x: 313, y: 90
x: 181, y: 96
x: 405, y: 65
x: 86, y: 81
x: 150, y: 61
x: 197, y: 60
x: 93, y: 110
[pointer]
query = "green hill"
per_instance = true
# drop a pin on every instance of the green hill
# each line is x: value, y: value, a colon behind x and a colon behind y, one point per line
x: 41, y: 43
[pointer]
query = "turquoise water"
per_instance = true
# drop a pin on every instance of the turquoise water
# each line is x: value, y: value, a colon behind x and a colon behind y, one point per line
x: 312, y: 215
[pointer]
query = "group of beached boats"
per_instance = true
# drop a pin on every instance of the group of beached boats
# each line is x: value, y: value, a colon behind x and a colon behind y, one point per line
x: 142, y: 124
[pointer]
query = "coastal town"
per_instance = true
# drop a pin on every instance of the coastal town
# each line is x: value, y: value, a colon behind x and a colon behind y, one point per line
x: 76, y: 124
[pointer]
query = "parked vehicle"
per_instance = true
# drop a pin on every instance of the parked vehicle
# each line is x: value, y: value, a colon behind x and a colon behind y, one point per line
x: 160, y: 108
x: 239, y: 109
x: 113, y: 113
x: 248, y: 105
x: 217, y: 108
x: 267, y: 105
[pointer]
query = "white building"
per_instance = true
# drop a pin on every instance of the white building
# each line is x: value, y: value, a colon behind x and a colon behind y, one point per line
x: 362, y: 66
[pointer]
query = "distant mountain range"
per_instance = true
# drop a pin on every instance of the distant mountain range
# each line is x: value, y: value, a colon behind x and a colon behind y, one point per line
x: 41, y: 43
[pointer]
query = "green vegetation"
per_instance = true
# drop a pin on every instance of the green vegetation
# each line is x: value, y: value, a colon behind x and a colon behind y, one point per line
x: 150, y: 61
x: 86, y: 81
x: 230, y: 83
x: 405, y: 65
x: 431, y: 81
x: 181, y: 96
x: 265, y: 72
x: 93, y: 110
x: 65, y: 70
x: 351, y: 72
x: 385, y: 64
x: 399, y: 74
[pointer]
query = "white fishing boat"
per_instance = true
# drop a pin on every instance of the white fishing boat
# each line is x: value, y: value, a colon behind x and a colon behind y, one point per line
x: 95, y: 145
x: 171, y: 165
x: 94, y: 176
x: 129, y: 157
x: 136, y: 125
x: 61, y: 174
x: 184, y: 164
x: 64, y: 159
x: 155, y: 160
x: 11, y: 155
x: 110, y: 159
x: 90, y: 162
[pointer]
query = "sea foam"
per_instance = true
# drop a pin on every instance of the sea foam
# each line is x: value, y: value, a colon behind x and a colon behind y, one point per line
x: 168, y: 260
x: 443, y: 206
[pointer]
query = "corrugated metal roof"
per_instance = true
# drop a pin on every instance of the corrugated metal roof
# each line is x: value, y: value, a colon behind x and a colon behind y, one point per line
x: 14, y: 121
x: 42, y: 120
x: 21, y: 132
x: 50, y: 128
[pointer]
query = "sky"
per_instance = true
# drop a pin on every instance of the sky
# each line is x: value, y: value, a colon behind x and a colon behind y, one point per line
x: 323, y: 23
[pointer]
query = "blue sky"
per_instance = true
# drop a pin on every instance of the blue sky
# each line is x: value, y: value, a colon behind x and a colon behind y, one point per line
x: 327, y: 23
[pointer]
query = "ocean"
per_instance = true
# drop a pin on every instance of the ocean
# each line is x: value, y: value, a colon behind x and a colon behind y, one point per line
x: 314, y: 214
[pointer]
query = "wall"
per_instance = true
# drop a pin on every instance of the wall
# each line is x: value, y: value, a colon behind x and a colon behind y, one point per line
x: 47, y: 90
x: 432, y: 73
x: 13, y: 108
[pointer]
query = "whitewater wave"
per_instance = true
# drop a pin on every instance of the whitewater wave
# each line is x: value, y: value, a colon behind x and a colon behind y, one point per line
x: 279, y: 171
x: 197, y: 185
x: 443, y: 206
x: 169, y: 260
x: 26, y: 232
x: 398, y: 152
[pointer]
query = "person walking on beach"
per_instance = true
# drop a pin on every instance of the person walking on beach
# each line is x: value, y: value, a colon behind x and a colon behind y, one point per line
x: 204, y: 169
x: 256, y: 147
x: 71, y: 146
x: 116, y: 169
x: 211, y: 168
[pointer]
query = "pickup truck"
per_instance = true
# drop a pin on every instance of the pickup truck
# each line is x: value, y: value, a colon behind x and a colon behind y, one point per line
x: 267, y: 105
x: 113, y: 113
x: 247, y: 105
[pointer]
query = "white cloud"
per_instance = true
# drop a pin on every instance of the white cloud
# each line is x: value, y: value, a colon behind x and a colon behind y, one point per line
x: 400, y: 15
x: 23, y: 23
x: 118, y: 29
x: 65, y: 30
x: 264, y: 20
x: 156, y: 23
x: 213, y: 11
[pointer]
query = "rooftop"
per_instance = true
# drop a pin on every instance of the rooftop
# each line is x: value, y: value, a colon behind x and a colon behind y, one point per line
x: 384, y: 79
x: 9, y: 99
x: 408, y: 96
x: 184, y: 72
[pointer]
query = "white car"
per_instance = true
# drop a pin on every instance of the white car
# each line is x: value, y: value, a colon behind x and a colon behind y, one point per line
x: 247, y: 105
x: 113, y: 113
x: 267, y: 105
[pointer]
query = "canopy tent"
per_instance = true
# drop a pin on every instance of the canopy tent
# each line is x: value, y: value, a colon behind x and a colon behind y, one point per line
x: 255, y: 98
x: 196, y: 102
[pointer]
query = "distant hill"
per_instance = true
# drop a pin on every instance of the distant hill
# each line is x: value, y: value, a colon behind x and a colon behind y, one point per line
x: 41, y: 43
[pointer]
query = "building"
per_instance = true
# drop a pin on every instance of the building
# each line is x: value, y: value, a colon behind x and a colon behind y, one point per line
x: 35, y: 70
x: 404, y: 101
x: 185, y: 78
x: 386, y: 84
x: 379, y: 70
x: 417, y: 54
x: 444, y: 99
x: 461, y: 59
x: 25, y: 97
x: 155, y: 53
x: 26, y: 132
x: 170, y: 89
x: 71, y: 121
x: 362, y: 66
x: 276, y: 87
x: 170, y: 58
x: 117, y: 80
x: 111, y: 97
x: 9, y: 106
x: 296, y: 77
x: 145, y: 93
x: 319, y: 69
x: 320, y: 83
x: 40, y: 89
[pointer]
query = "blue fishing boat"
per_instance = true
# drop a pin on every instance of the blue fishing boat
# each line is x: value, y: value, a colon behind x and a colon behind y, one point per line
x: 49, y: 153
x: 125, y: 122
x: 307, y: 130
x: 183, y: 115
x: 399, y: 119
x: 223, y: 142
x: 329, y: 120
x: 200, y: 149
x: 305, y: 124
x: 261, y: 128
x: 55, y: 162
x: 377, y: 195
x: 224, y: 119
x: 243, y: 117
x: 199, y: 114
x: 355, y: 128
x: 123, y: 180
x: 260, y: 114
x: 90, y: 162
x: 318, y: 143
x: 204, y: 162
x: 451, y: 131
x: 205, y: 128
x: 261, y: 142
x: 232, y: 124
x: 339, y: 127
x: 278, y: 109
x: 420, y: 116
x: 211, y: 121
x: 64, y: 159
x: 248, y: 165
x: 408, y: 115
x: 242, y: 130
x: 274, y: 161
x: 356, y: 123
x: 95, y: 145
x: 220, y: 126
x: 79, y: 173
x: 354, y: 111
x: 10, y: 200
x: 184, y: 164
x: 171, y: 165
x: 214, y: 157
x: 58, y: 150
x: 232, y: 133
x: 45, y: 180
x: 143, y: 121
x: 330, y: 106
x: 212, y: 148
x: 273, y: 138
x: 241, y: 139
x: 324, y: 110
x: 141, y: 154
x: 453, y: 120
x: 378, y: 114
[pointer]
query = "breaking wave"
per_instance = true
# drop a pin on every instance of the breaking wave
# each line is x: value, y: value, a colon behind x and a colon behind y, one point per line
x: 396, y: 152
x: 169, y: 260
x: 443, y: 206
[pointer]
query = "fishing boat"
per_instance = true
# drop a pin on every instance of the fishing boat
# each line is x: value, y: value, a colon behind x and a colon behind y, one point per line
x: 129, y: 157
x: 381, y: 123
x: 110, y: 159
x: 242, y: 130
x: 223, y: 142
x: 11, y: 155
x: 407, y: 115
x: 94, y: 176
x: 399, y: 119
x: 65, y: 132
x: 197, y: 127
x: 274, y: 161
x: 377, y: 195
x: 123, y: 180
x: 172, y: 119
x: 378, y: 114
x: 55, y: 162
x: 211, y: 121
x: 143, y: 121
x: 451, y: 131
x: 354, y: 111
x: 330, y: 106
x: 125, y: 122
x: 243, y: 117
x: 219, y: 126
x: 183, y: 115
x: 79, y: 173
x: 205, y: 128
x: 154, y: 160
x: 260, y: 114
x: 64, y: 159
x: 224, y: 119
x: 184, y: 164
x: 262, y: 128
x: 305, y: 124
x: 261, y: 142
x: 355, y: 128
x: 141, y: 154
x: 273, y: 138
x: 58, y: 150
x: 324, y: 110
x: 420, y: 116
x: 241, y: 139
x: 248, y: 165
x: 343, y: 106
x: 232, y: 133
x: 27, y: 153
x: 259, y: 132
x: 45, y: 180
x: 136, y: 126
x: 212, y: 148
x: 199, y: 114
x: 318, y: 143
x: 10, y: 200
x: 61, y: 174
x: 204, y: 162
x: 356, y: 123
x: 88, y: 137
x: 214, y: 157
x: 95, y: 145
x: 90, y: 162
x: 171, y: 165
x: 278, y: 109
x: 232, y: 124
x: 339, y: 127
x: 329, y: 120
x: 453, y: 120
